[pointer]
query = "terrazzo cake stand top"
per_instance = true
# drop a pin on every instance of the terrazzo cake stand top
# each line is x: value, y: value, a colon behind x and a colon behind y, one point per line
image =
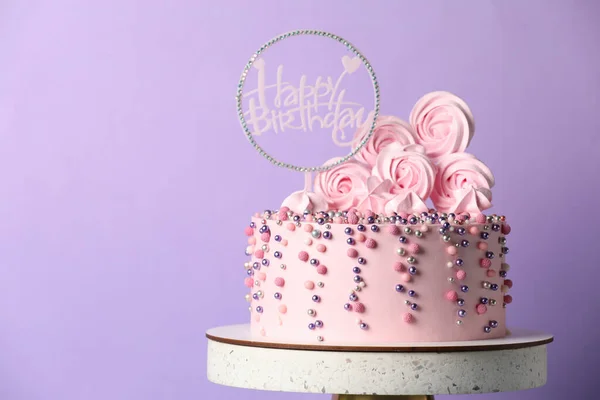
x: 396, y: 371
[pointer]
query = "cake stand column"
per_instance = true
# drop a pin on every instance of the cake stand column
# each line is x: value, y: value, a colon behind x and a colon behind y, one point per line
x: 375, y: 397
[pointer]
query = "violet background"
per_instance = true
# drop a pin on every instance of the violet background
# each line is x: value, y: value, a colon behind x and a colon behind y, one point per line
x: 125, y: 180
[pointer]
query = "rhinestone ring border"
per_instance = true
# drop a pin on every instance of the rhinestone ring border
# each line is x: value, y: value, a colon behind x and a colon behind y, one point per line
x: 242, y: 81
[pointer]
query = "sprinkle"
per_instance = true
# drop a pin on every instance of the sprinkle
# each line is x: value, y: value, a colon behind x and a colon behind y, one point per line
x: 321, y: 248
x: 308, y: 241
x: 482, y: 246
x: 491, y: 273
x: 284, y: 242
x: 473, y: 230
x: 321, y: 269
x: 290, y: 226
x: 251, y: 240
x: 461, y: 274
x: 359, y: 307
x: 405, y: 277
x: 394, y: 230
x: 481, y: 309
x: 508, y: 299
x: 352, y: 253
x: 399, y: 267
x: 249, y: 282
x: 259, y: 253
x: 303, y: 256
x: 308, y: 228
x: 408, y: 318
x: 353, y: 218
x: 310, y: 285
x: 282, y: 308
x: 361, y: 237
x: 265, y: 237
x: 413, y: 248
x: 424, y: 228
x: 261, y: 276
x: 249, y: 231
x: 508, y: 283
x: 279, y: 281
x: 505, y: 229
x: 485, y: 263
x: 451, y: 250
x: 371, y: 243
x: 451, y: 295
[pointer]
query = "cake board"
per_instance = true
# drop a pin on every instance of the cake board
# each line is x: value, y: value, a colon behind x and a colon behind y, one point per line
x: 402, y: 371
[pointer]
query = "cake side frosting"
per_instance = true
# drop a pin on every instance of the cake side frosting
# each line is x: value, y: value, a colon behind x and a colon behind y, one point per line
x: 377, y: 283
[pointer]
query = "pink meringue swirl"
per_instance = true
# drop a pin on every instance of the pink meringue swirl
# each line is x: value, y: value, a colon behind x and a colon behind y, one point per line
x: 443, y: 124
x: 407, y: 202
x: 343, y: 185
x: 305, y: 200
x: 407, y: 167
x: 458, y: 173
x: 388, y: 130
x: 377, y: 195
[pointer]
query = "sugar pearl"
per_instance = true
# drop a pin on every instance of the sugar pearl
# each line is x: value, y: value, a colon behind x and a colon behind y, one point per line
x: 282, y: 308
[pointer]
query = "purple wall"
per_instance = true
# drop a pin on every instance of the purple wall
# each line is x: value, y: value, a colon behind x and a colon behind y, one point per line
x: 115, y: 245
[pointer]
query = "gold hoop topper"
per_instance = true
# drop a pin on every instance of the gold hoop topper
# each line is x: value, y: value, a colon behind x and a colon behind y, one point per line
x: 255, y: 121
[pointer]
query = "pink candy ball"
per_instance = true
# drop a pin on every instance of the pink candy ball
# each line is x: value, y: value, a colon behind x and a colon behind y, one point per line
x: 303, y: 256
x: 284, y: 242
x: 505, y: 228
x: 353, y: 218
x: 321, y: 269
x: 259, y: 253
x: 473, y: 230
x: 359, y: 307
x: 261, y: 276
x: 282, y: 308
x: 361, y: 237
x: 405, y: 277
x: 482, y: 246
x: 508, y: 283
x: 480, y: 218
x: 485, y: 263
x: 508, y: 299
x: 249, y: 231
x: 308, y: 228
x: 249, y: 282
x: 408, y: 318
x: 284, y: 209
x: 461, y: 274
x: 399, y: 267
x: 279, y: 281
x: 265, y: 237
x: 321, y: 248
x: 290, y: 226
x: 451, y: 250
x: 491, y: 273
x: 252, y: 240
x: 371, y: 243
x: 338, y: 220
x: 394, y: 230
x: 309, y: 218
x: 352, y: 253
x: 413, y: 248
x: 481, y: 309
x: 451, y: 295
x: 310, y: 285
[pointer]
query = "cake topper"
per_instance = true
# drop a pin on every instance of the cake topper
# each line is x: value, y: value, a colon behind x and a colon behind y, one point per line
x: 317, y: 112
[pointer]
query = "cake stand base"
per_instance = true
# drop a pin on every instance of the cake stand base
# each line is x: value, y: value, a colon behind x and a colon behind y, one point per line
x: 400, y: 371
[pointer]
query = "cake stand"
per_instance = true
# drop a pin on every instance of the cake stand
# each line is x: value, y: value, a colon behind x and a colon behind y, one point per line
x: 403, y: 371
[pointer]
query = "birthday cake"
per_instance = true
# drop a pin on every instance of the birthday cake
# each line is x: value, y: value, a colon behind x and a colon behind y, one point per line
x: 390, y: 246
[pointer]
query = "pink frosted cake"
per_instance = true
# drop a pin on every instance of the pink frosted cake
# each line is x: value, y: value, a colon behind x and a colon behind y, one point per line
x: 362, y: 259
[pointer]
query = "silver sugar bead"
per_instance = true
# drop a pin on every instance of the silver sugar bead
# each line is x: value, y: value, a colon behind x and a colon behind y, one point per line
x: 411, y: 260
x: 418, y: 234
x: 446, y: 238
x: 320, y: 284
x: 311, y: 312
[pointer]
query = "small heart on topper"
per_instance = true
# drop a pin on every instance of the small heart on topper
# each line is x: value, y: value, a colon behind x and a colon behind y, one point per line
x: 351, y: 64
x: 259, y: 63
